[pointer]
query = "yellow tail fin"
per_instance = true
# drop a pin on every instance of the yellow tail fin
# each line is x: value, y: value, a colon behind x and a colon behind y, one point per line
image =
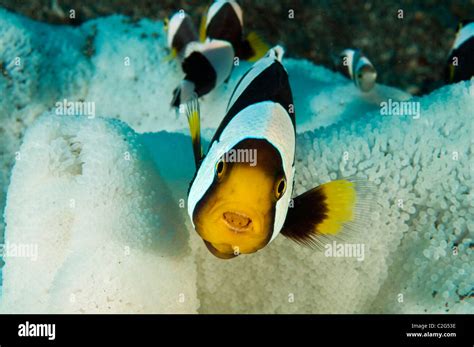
x: 333, y: 210
x: 340, y: 198
x: 257, y: 45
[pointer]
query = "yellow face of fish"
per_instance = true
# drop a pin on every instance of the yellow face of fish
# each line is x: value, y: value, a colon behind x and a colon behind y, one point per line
x: 237, y: 213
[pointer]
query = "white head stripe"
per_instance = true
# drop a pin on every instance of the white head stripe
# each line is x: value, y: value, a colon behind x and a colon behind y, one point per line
x: 463, y: 35
x: 216, y: 6
x: 174, y: 24
x: 265, y: 120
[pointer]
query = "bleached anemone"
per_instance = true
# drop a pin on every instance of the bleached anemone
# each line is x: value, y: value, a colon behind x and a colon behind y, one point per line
x: 109, y: 224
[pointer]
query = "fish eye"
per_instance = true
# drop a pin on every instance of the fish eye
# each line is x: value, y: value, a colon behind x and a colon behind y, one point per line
x: 220, y: 168
x: 280, y: 187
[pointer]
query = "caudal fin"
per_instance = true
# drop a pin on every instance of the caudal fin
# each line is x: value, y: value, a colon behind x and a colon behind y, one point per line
x: 254, y: 47
x: 335, y: 210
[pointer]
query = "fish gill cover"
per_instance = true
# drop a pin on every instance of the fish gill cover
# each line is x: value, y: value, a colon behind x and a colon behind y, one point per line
x: 101, y: 166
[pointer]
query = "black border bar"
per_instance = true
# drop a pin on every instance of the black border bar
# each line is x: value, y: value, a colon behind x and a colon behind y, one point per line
x: 242, y: 329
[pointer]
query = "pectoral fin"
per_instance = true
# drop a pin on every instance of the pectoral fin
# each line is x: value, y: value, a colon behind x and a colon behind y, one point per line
x: 191, y: 109
x: 451, y: 72
x: 173, y: 54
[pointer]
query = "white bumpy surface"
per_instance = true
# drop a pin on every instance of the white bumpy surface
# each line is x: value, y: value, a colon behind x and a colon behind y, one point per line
x: 112, y: 233
x: 109, y: 237
x: 408, y: 249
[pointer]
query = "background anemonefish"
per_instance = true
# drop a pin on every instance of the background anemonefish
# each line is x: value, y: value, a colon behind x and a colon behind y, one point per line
x: 209, y: 62
x: 356, y: 66
x: 460, y: 66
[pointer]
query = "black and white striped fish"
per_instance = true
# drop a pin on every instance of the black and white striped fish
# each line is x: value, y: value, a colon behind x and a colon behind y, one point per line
x: 224, y: 21
x: 460, y: 66
x: 241, y: 196
x: 206, y: 65
x: 358, y: 68
x: 209, y: 63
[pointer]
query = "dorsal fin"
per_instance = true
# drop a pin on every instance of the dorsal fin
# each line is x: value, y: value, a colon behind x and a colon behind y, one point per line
x: 267, y: 80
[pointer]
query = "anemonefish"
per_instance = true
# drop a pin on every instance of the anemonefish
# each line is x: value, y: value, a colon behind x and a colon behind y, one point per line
x: 460, y: 65
x: 358, y: 68
x: 240, y: 198
x: 209, y: 63
x: 206, y: 65
x: 224, y: 21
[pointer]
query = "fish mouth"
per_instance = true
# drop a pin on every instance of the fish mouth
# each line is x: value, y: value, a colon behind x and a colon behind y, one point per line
x: 238, y: 222
x: 231, y: 229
